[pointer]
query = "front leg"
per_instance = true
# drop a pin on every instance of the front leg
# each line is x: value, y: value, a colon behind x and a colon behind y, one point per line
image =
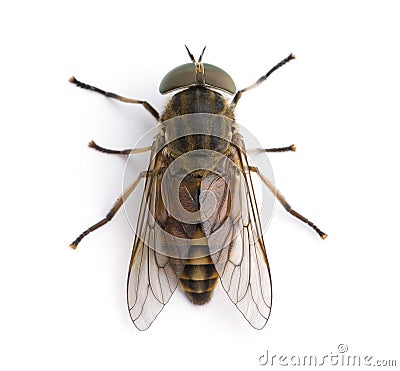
x: 260, y: 80
x: 108, y: 94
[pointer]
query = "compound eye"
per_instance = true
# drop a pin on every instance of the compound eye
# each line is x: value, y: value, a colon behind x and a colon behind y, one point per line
x: 178, y: 78
x: 185, y: 76
x: 217, y: 78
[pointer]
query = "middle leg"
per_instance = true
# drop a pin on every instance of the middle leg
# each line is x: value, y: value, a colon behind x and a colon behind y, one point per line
x: 291, y: 148
x: 126, y: 152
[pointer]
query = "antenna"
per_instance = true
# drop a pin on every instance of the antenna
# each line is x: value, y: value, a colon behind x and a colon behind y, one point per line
x: 190, y: 55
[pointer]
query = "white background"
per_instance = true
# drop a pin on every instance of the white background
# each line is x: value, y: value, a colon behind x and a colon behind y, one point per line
x: 338, y: 102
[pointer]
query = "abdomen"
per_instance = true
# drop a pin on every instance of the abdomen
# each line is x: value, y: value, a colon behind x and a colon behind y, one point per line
x: 199, y: 276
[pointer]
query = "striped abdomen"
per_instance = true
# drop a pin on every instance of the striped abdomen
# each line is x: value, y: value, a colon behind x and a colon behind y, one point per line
x: 199, y: 276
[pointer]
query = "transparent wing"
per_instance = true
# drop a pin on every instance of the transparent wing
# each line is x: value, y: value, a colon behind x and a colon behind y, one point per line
x: 153, y: 276
x: 151, y: 282
x: 242, y: 264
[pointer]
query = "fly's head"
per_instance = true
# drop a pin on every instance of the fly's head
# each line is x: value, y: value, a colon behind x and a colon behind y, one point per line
x: 197, y: 73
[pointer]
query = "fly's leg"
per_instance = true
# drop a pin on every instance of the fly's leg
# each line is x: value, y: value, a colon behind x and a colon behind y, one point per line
x: 261, y: 79
x: 281, y: 149
x: 291, y: 148
x: 126, y: 152
x: 113, y: 210
x: 145, y: 104
x: 285, y: 204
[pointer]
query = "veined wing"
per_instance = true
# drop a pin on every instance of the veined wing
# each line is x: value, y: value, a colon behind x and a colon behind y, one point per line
x: 242, y: 263
x: 153, y: 276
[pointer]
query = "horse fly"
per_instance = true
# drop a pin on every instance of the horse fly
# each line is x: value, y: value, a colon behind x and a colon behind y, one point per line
x: 198, y: 220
